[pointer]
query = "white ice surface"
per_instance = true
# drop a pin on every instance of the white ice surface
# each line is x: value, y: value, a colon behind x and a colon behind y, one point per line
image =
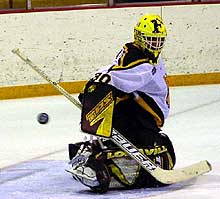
x: 33, y: 157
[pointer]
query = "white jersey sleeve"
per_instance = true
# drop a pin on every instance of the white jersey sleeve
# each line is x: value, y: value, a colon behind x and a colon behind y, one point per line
x: 138, y: 76
x: 130, y: 80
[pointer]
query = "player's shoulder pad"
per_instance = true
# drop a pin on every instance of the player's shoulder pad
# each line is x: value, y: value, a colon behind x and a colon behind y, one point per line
x: 132, y: 56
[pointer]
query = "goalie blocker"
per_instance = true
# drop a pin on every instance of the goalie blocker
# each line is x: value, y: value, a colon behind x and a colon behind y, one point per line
x: 107, y: 166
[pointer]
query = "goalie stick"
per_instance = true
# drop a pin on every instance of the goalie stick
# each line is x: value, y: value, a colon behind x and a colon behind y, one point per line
x: 164, y: 176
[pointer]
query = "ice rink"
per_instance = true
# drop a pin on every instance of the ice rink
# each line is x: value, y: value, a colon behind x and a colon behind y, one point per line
x: 33, y: 157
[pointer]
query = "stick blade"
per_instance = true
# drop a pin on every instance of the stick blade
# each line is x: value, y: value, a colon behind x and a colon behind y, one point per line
x: 182, y: 174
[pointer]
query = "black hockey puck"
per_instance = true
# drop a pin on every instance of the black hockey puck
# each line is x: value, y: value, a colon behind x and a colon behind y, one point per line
x: 42, y: 118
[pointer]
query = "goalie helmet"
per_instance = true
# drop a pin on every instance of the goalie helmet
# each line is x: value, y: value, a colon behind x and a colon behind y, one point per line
x: 150, y: 33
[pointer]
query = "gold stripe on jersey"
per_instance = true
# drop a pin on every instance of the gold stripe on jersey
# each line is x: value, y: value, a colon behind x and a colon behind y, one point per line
x: 147, y: 107
x: 132, y: 56
x: 131, y: 65
x: 123, y: 98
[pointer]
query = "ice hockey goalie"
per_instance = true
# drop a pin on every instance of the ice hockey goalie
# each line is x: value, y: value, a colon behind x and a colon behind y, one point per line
x: 130, y: 95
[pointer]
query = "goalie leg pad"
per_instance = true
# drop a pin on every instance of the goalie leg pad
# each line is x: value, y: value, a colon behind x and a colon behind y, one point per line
x: 94, y: 175
x: 88, y: 169
x: 128, y: 173
x: 101, y: 169
x: 102, y: 175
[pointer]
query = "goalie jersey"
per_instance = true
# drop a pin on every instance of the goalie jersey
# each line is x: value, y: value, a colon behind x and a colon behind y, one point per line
x: 134, y: 71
